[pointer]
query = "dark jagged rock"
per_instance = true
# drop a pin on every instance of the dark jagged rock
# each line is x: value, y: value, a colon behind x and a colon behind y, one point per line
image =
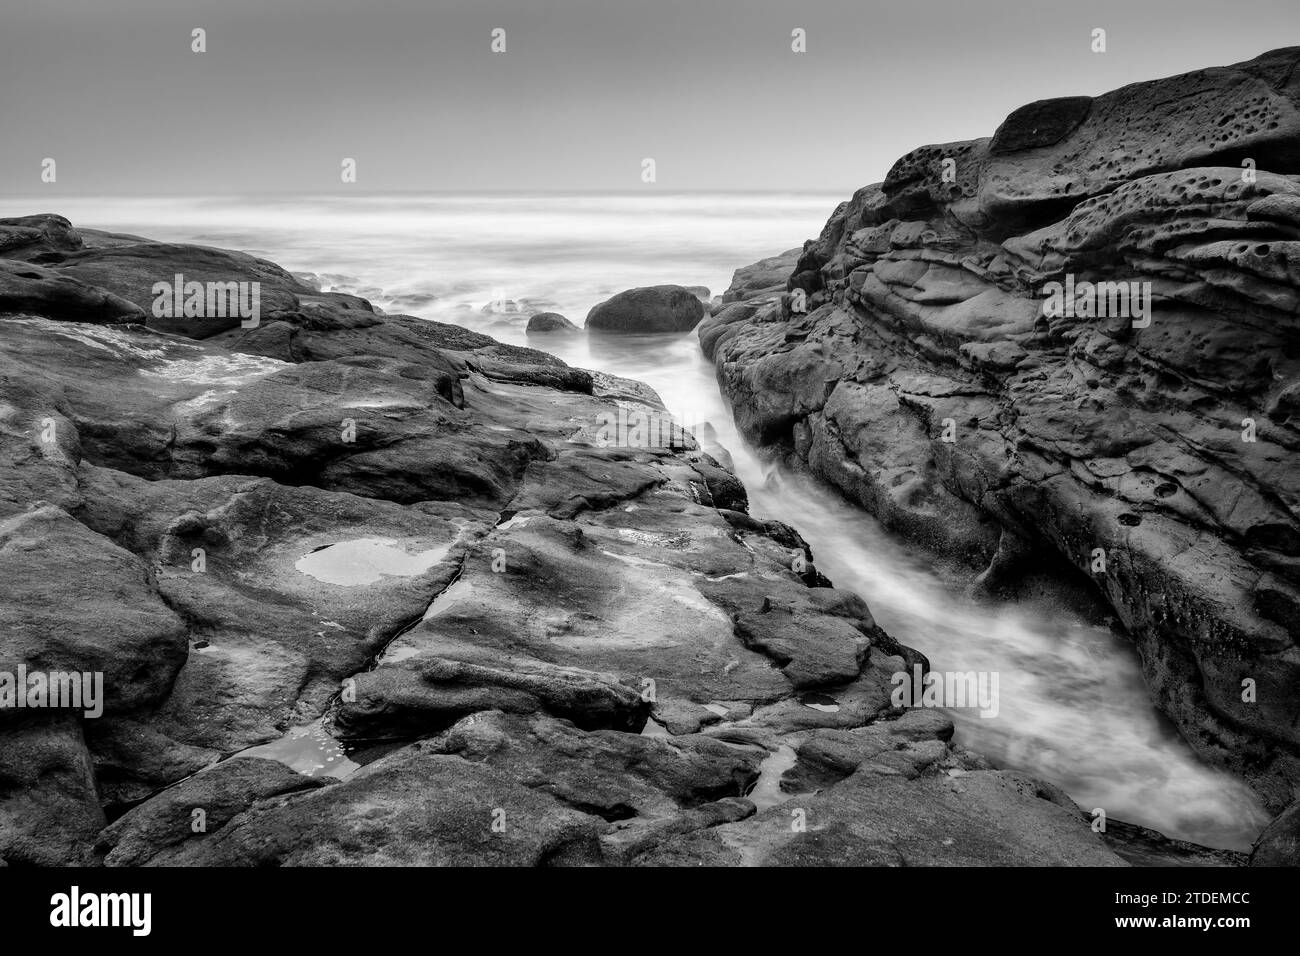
x: 49, y: 810
x: 429, y: 695
x: 1141, y: 846
x: 916, y: 362
x: 614, y: 775
x: 765, y: 276
x: 1279, y: 844
x: 413, y: 807
x: 160, y: 829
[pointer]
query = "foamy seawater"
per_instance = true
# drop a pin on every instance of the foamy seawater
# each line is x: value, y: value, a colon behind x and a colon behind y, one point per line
x: 1072, y: 705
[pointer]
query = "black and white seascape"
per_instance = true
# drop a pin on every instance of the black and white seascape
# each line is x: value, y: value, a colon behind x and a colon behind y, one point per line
x: 606, y: 434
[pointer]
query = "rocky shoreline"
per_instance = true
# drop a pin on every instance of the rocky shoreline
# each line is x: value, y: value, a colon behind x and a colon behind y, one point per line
x: 918, y: 356
x: 368, y: 589
x: 580, y: 652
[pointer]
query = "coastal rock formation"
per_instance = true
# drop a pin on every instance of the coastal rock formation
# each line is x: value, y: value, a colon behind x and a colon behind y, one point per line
x: 365, y: 589
x: 765, y: 276
x: 652, y: 309
x: 1075, y: 342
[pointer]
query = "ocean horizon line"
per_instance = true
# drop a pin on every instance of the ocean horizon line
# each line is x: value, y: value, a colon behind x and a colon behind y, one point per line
x: 316, y: 194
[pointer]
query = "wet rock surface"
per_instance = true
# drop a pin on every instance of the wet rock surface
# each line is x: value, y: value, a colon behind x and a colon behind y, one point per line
x: 919, y: 357
x: 660, y: 308
x: 495, y: 635
x: 549, y: 323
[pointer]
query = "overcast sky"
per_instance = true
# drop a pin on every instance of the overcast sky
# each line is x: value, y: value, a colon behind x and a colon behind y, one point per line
x: 586, y: 89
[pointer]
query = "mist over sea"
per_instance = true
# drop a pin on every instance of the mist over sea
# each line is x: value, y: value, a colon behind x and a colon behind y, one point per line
x: 1073, y: 708
x: 450, y: 256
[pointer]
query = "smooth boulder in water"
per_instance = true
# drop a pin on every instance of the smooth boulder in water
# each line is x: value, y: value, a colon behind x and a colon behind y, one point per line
x: 546, y: 323
x: 659, y: 308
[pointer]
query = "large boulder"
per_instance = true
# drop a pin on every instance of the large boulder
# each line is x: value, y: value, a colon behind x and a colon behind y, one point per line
x: 652, y: 309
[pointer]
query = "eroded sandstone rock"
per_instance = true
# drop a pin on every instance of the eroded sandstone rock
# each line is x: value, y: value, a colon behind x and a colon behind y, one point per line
x: 917, y: 363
